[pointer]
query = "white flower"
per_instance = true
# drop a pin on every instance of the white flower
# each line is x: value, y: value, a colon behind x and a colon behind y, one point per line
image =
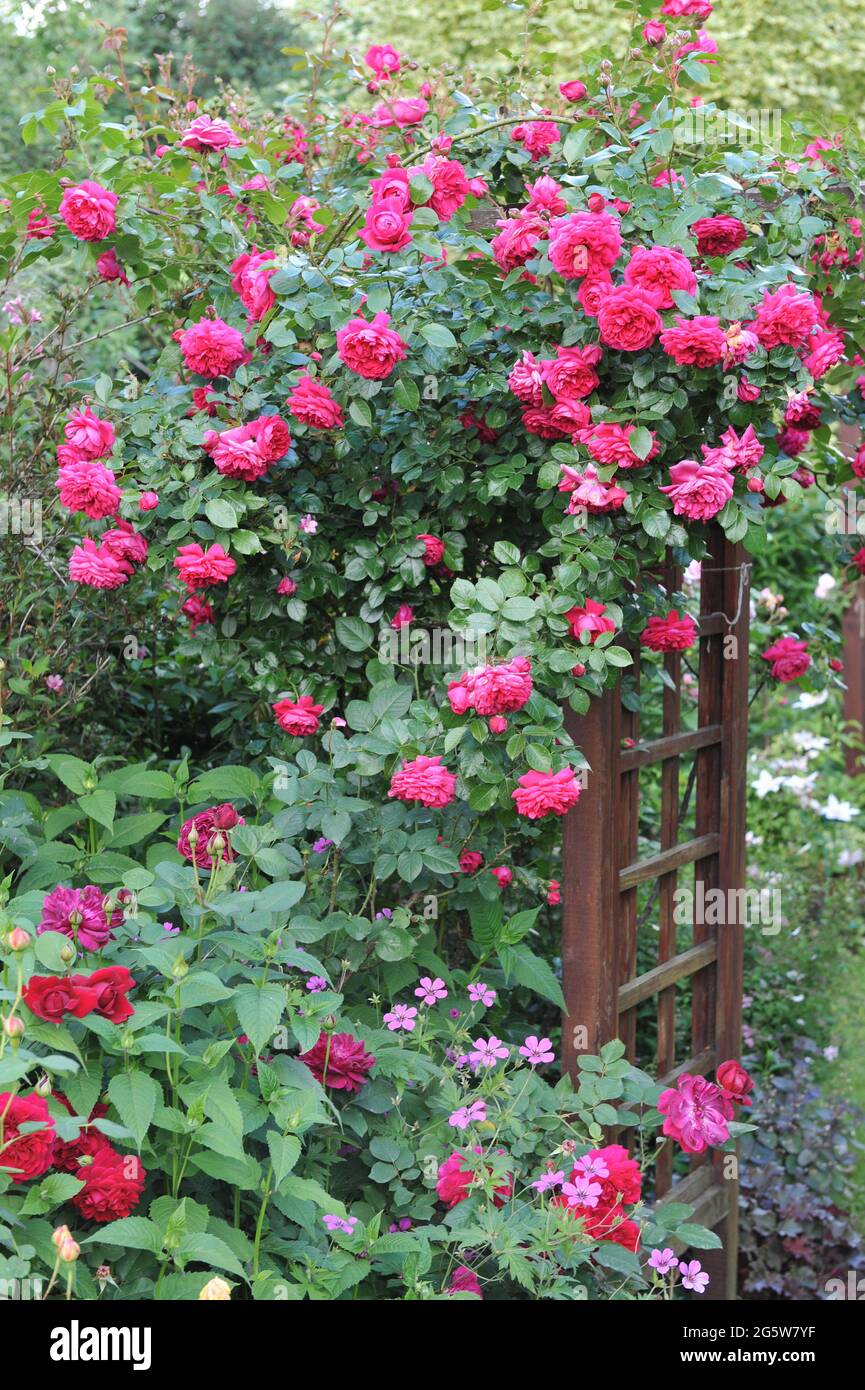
x: 825, y: 584
x: 766, y: 783
x: 810, y: 700
x: 838, y: 810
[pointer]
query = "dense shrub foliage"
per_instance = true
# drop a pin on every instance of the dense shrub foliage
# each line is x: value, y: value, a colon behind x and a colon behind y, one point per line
x: 425, y: 388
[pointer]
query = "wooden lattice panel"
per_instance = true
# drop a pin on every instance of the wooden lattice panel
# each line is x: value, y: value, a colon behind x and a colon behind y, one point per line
x: 603, y: 873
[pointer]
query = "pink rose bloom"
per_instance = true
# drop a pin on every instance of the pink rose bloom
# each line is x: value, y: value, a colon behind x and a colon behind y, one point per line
x: 434, y: 549
x: 670, y: 634
x: 696, y: 1113
x: 148, y: 501
x: 589, y: 618
x: 542, y: 794
x: 312, y: 404
x: 89, y: 487
x: 251, y: 274
x: 609, y: 442
x: 696, y: 342
x: 785, y: 318
x: 585, y: 243
x: 741, y: 454
x: 371, y: 350
x: 824, y: 349
x: 801, y: 412
x: 537, y: 137
x: 628, y: 319
x: 571, y: 374
x: 545, y: 196
x: 470, y: 861
x: 217, y: 820
x: 198, y: 568
x: 464, y: 1280
x: 503, y: 875
x: 592, y: 292
x: 94, y: 566
x: 493, y: 689
x: 450, y: 184
x: 657, y: 271
x: 286, y: 587
x: 425, y: 780
x: 88, y: 211
x: 517, y: 242
x: 655, y: 32
x: 402, y: 617
x: 383, y: 59
x: 793, y: 442
x: 209, y: 133
x: 588, y: 493
x: 679, y: 9
x: 393, y: 183
x: 40, y: 227
x: 197, y: 612
x: 88, y: 436
x: 212, y: 348
x: 699, y: 491
x: 747, y: 391
x: 526, y: 380
x: 298, y: 717
x: 406, y: 111
x: 125, y: 543
x: 741, y: 342
x: 78, y: 913
x: 573, y: 91
x: 109, y: 268
x: 386, y: 225
x: 789, y: 658
x: 247, y: 451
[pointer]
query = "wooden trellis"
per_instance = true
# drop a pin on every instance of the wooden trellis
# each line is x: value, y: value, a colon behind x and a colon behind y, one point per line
x: 603, y: 875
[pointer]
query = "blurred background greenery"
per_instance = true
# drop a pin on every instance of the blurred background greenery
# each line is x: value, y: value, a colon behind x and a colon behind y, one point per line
x: 803, y: 57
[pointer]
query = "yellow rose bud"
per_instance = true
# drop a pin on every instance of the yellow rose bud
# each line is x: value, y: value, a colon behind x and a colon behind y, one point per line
x: 18, y: 939
x: 69, y: 1250
x: 215, y: 1291
x: 59, y: 1234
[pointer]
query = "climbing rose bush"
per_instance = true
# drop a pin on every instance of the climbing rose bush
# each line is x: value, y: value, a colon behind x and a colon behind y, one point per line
x: 429, y: 363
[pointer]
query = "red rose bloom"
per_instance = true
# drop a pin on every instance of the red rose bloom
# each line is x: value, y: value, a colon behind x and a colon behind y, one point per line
x: 455, y: 1182
x: 52, y: 997
x: 113, y: 1185
x: 433, y: 549
x: 109, y: 987
x: 216, y: 820
x: 340, y: 1061
x: 718, y: 236
x: 732, y: 1077
x: 670, y: 634
x: 789, y: 658
x: 27, y: 1155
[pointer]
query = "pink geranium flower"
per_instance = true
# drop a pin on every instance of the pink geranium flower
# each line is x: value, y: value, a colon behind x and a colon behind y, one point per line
x: 537, y: 1050
x: 429, y: 991
x: 486, y: 1051
x: 401, y: 1016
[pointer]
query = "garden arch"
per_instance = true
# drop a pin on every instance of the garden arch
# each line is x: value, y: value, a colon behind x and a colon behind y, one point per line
x: 604, y: 876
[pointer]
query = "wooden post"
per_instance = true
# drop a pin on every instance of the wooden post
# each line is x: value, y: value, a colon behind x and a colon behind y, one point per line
x: 853, y: 631
x: 590, y: 858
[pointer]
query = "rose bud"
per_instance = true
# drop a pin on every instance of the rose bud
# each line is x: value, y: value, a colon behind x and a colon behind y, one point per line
x: 59, y: 1234
x: 13, y: 1026
x: 216, y: 1290
x: 18, y: 939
